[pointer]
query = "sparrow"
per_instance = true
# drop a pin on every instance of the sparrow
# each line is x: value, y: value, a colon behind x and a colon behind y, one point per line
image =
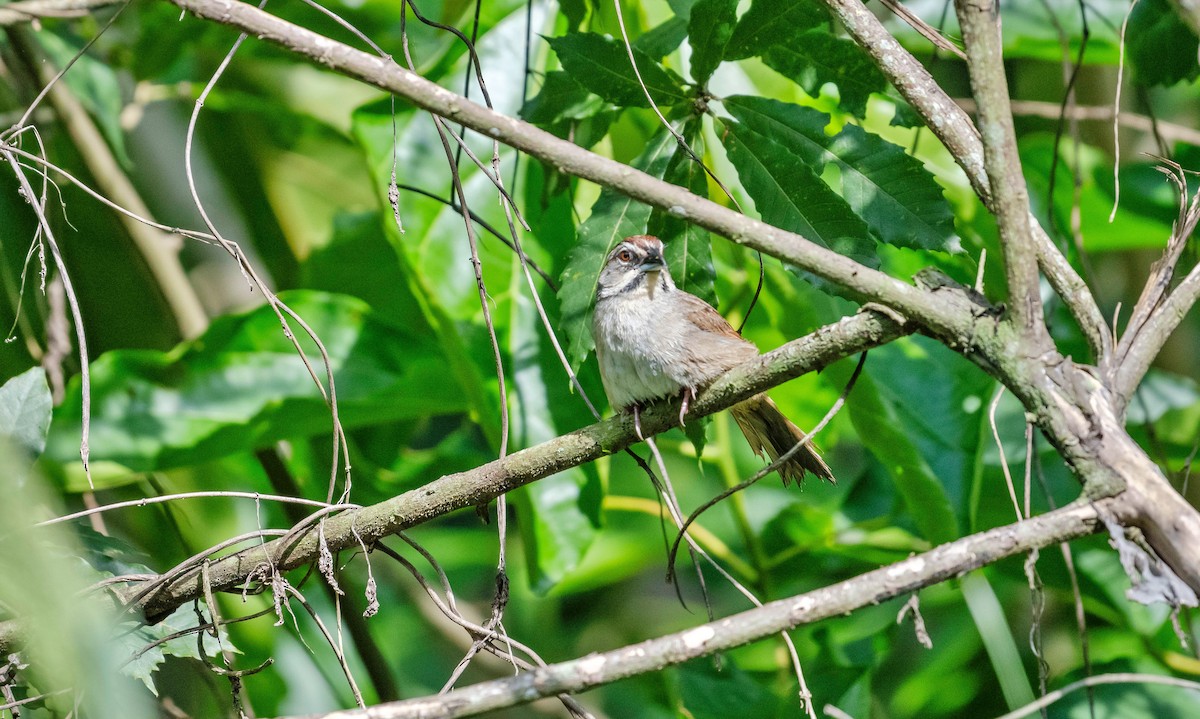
x: 654, y: 340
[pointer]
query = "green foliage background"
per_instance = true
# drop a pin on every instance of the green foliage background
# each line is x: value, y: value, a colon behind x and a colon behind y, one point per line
x: 805, y: 132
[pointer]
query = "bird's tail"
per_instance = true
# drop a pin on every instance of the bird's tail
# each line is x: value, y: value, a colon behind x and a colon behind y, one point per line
x: 767, y: 430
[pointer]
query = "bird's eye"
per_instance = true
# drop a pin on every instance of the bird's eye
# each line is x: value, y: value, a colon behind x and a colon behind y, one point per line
x: 625, y: 256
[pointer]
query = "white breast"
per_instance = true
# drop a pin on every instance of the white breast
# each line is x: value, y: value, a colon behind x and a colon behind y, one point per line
x: 641, y: 352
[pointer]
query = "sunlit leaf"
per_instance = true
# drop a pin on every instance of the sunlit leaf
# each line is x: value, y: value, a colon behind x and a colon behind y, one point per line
x: 815, y: 57
x: 25, y: 405
x: 601, y: 64
x: 788, y: 194
x: 241, y: 385
x: 887, y: 187
x: 772, y: 21
x: 709, y: 31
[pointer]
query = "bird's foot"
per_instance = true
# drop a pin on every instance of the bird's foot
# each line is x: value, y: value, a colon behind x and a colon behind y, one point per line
x: 637, y: 421
x: 689, y: 394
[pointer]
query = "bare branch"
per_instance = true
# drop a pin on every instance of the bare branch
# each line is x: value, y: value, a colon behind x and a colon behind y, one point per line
x: 955, y: 130
x: 30, y: 10
x: 980, y: 21
x: 941, y: 316
x: 937, y: 565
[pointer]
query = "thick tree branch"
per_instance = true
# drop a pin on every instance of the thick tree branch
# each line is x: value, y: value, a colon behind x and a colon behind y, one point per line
x: 955, y: 130
x: 28, y: 10
x: 937, y: 565
x: 466, y: 489
x: 941, y: 317
x: 980, y: 21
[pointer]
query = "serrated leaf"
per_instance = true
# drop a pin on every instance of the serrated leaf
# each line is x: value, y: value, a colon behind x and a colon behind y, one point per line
x: 614, y: 217
x: 242, y: 385
x: 1162, y: 48
x: 771, y: 21
x: 709, y: 31
x: 815, y: 57
x: 788, y: 194
x: 601, y: 64
x: 900, y: 201
x: 144, y: 660
x: 25, y: 406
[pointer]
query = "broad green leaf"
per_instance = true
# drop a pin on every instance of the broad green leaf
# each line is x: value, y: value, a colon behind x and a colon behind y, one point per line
x: 601, y: 64
x: 135, y: 641
x: 940, y: 399
x: 1162, y: 48
x: 712, y: 694
x: 883, y: 432
x: 815, y: 57
x: 445, y: 291
x: 688, y: 247
x: 614, y: 217
x: 772, y: 21
x: 709, y: 31
x: 241, y: 385
x: 900, y: 201
x: 561, y: 98
x: 560, y: 514
x: 95, y: 85
x: 68, y: 641
x: 788, y: 194
x: 25, y: 406
x: 663, y: 39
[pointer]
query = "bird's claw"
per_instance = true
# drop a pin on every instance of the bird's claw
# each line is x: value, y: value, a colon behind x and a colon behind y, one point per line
x: 689, y: 393
x: 637, y: 421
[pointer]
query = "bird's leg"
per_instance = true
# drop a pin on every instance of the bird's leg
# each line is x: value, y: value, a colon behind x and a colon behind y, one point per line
x: 689, y: 394
x: 637, y: 421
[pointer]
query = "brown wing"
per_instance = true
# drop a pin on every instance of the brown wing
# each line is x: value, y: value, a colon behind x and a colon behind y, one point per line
x: 719, y: 348
x: 703, y: 316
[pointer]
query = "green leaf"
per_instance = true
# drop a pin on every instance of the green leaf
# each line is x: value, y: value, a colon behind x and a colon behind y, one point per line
x: 772, y: 21
x: 711, y: 694
x: 900, y: 201
x: 664, y: 39
x: 574, y: 11
x: 1159, y: 393
x: 688, y: 247
x: 815, y: 57
x: 559, y: 515
x: 1162, y: 48
x: 241, y: 385
x: 884, y: 433
x: 709, y: 31
x: 25, y: 406
x: 788, y: 194
x: 601, y: 64
x: 95, y: 85
x: 614, y: 217
x: 134, y: 640
x: 561, y: 98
